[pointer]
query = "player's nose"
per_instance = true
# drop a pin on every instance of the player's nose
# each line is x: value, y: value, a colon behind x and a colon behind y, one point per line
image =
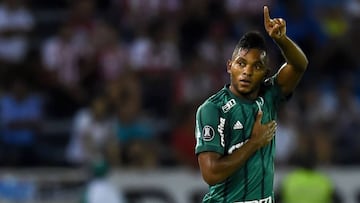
x: 248, y: 70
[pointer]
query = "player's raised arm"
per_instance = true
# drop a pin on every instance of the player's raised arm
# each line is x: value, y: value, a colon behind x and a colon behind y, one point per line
x: 296, y: 62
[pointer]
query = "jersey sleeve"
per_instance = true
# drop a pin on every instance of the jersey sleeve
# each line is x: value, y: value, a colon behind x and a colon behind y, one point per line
x: 278, y: 97
x: 209, y: 130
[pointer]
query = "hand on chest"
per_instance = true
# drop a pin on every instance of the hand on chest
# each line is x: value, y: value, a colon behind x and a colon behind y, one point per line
x: 242, y: 118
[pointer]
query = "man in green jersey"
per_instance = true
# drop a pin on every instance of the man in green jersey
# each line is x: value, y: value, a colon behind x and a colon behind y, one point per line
x: 236, y: 126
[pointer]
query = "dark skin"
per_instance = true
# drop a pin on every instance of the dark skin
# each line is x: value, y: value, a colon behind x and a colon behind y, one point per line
x: 247, y: 70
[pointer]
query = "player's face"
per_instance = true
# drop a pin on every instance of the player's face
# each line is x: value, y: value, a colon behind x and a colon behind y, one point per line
x: 247, y: 71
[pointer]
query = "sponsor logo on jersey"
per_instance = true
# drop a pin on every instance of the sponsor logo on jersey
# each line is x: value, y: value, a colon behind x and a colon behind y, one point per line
x: 221, y: 128
x: 236, y: 146
x: 208, y: 133
x: 265, y: 200
x: 231, y: 103
x: 238, y: 125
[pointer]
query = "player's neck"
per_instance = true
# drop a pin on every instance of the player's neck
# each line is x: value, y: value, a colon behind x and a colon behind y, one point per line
x: 250, y: 96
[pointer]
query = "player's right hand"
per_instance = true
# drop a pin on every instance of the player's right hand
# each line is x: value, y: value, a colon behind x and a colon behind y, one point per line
x: 262, y: 134
x: 275, y: 27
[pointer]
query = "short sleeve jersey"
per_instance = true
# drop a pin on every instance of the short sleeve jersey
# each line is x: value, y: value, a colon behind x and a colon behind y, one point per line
x: 223, y: 124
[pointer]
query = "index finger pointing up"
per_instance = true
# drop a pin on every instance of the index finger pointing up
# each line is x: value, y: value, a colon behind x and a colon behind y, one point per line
x: 266, y: 15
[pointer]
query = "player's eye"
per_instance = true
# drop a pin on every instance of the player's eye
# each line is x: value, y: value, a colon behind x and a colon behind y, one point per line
x: 242, y: 64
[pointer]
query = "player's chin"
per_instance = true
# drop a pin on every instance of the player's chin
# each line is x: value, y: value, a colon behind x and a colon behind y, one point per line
x: 244, y: 89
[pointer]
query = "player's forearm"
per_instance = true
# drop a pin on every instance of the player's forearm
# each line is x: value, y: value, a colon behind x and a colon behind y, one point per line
x: 292, y: 53
x: 225, y: 166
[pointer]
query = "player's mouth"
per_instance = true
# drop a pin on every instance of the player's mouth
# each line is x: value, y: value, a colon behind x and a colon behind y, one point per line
x: 245, y: 82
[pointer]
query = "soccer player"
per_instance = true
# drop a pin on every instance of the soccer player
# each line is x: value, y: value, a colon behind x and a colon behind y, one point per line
x: 235, y: 128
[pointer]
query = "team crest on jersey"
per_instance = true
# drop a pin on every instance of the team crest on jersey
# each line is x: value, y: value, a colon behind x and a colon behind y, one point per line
x: 208, y: 133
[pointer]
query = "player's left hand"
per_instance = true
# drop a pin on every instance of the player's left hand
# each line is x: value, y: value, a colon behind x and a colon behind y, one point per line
x: 276, y: 27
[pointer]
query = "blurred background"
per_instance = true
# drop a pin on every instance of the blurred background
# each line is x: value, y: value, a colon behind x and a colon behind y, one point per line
x: 100, y: 95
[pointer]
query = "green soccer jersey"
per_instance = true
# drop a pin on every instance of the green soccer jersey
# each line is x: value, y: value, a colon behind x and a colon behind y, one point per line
x: 223, y: 124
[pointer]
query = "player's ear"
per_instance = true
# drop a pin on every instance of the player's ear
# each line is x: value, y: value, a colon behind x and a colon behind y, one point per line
x: 228, y: 66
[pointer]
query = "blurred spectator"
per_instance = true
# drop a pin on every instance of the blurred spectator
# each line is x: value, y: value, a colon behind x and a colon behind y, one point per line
x: 353, y: 8
x: 63, y: 75
x: 286, y: 136
x: 338, y: 48
x: 347, y: 106
x: 314, y: 185
x: 100, y: 188
x: 334, y: 23
x: 112, y: 92
x: 69, y: 62
x: 83, y: 20
x: 352, y: 40
x: 126, y: 87
x: 182, y: 137
x: 130, y: 125
x: 112, y: 55
x: 15, y: 189
x: 135, y: 133
x: 93, y: 135
x: 195, y: 81
x: 140, y: 154
x: 157, y: 50
x: 323, y: 139
x: 317, y: 105
x: 16, y: 22
x: 302, y: 27
x: 216, y: 46
x: 193, y: 26
x: 61, y: 57
x: 21, y: 114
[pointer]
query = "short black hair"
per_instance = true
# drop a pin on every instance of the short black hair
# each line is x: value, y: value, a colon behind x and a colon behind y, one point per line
x: 250, y: 40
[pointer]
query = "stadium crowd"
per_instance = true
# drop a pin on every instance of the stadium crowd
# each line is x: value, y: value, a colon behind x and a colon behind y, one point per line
x: 121, y: 79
